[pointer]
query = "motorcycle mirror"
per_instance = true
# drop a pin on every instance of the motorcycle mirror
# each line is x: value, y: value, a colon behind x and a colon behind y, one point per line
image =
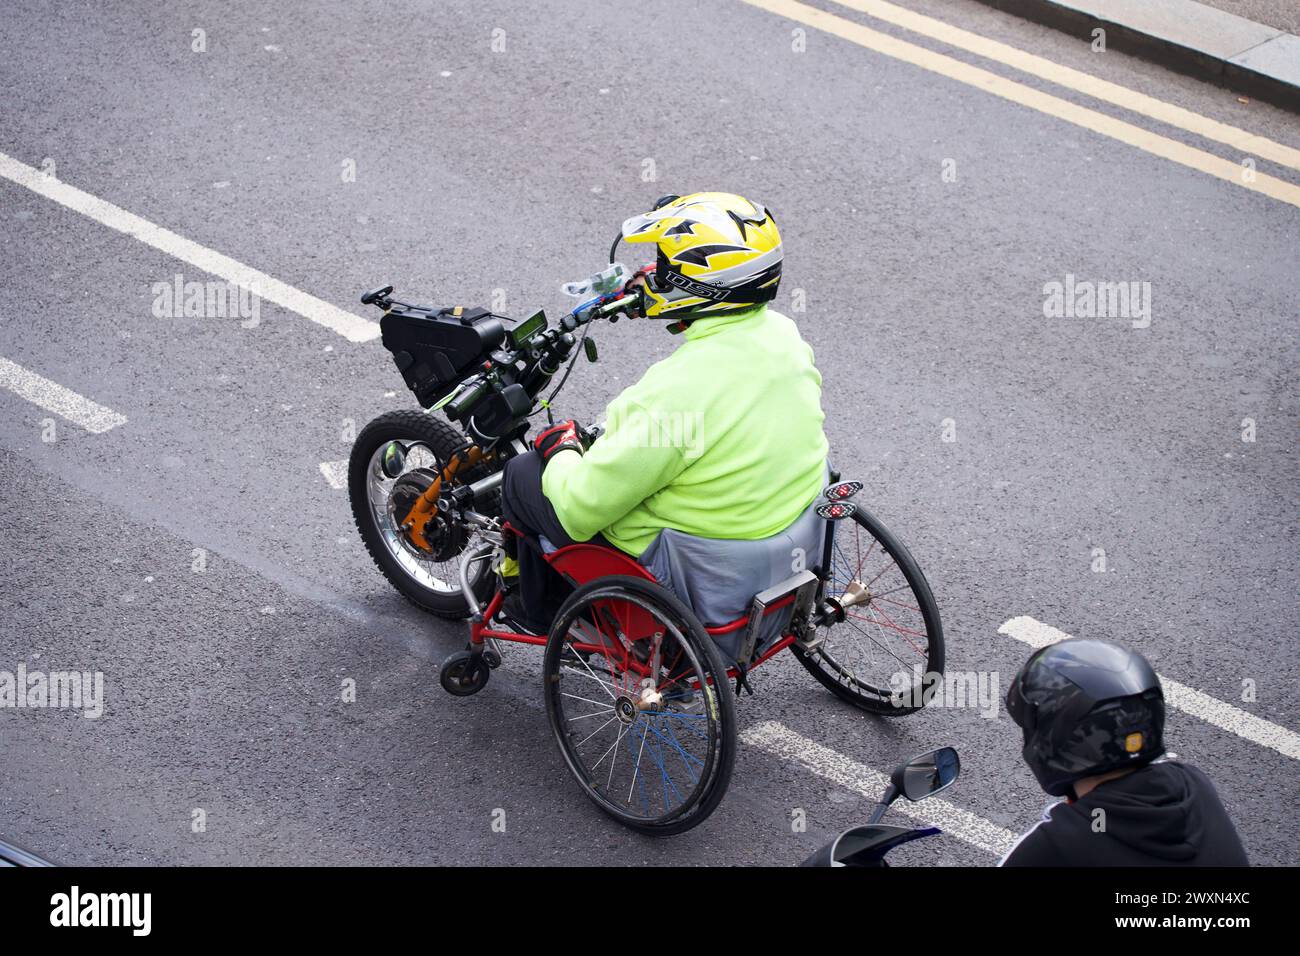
x: 394, y: 459
x: 926, y: 774
x: 376, y: 295
x: 589, y: 346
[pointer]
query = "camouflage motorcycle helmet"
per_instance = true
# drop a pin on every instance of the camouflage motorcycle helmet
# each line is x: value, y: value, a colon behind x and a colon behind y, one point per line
x: 1086, y: 707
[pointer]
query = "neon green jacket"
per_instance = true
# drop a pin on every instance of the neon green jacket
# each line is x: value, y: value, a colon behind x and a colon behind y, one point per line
x: 722, y: 439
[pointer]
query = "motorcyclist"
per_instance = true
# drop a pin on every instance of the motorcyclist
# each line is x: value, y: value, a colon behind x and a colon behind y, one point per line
x: 721, y: 439
x: 1093, y: 719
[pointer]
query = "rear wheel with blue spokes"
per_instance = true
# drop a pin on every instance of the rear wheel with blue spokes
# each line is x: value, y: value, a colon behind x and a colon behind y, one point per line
x: 639, y: 702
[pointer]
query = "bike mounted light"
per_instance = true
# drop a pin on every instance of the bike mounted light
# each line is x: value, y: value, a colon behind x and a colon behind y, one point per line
x: 841, y: 490
x: 836, y: 510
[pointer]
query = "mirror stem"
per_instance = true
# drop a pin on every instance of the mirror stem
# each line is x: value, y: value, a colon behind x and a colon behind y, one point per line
x: 891, y: 794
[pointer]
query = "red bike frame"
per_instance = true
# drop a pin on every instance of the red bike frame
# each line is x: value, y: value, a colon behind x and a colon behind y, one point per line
x: 581, y: 563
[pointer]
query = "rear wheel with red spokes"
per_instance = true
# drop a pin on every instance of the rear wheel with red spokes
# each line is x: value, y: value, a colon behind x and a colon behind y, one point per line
x: 638, y: 700
x: 888, y: 639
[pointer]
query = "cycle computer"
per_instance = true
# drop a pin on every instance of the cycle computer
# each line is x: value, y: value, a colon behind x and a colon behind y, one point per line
x: 526, y: 329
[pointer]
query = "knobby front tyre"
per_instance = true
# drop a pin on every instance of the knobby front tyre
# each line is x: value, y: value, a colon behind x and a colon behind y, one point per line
x: 430, y: 580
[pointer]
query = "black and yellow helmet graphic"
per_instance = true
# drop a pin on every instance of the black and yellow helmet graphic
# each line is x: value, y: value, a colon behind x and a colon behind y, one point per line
x: 717, y: 252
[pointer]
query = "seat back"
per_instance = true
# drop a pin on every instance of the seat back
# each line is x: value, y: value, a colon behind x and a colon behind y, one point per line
x: 718, y: 578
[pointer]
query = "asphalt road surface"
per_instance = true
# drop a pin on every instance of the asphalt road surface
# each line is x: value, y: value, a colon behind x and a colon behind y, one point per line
x: 1096, y: 475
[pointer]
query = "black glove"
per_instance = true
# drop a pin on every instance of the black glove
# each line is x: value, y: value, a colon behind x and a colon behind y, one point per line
x: 556, y: 438
x: 636, y: 286
x: 641, y: 275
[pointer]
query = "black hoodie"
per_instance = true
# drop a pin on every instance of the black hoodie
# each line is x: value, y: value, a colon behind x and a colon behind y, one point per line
x: 1166, y: 814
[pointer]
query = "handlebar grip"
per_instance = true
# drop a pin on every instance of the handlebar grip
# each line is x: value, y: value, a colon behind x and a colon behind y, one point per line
x: 618, y: 305
x: 458, y: 406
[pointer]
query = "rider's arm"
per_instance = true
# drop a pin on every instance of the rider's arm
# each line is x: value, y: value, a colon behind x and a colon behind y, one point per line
x: 632, y: 460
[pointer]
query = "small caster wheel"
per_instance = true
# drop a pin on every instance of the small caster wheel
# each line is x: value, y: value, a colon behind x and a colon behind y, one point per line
x: 464, y: 673
x: 492, y: 658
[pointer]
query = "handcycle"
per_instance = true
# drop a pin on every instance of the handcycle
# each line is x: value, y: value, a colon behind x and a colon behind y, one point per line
x: 638, y: 690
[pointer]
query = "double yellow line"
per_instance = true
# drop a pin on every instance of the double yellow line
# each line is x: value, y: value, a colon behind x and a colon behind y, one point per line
x: 1238, y: 172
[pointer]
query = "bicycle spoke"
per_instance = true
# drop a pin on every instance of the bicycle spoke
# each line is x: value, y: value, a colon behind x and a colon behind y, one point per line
x: 654, y: 713
x: 865, y: 649
x: 637, y: 768
x: 596, y: 731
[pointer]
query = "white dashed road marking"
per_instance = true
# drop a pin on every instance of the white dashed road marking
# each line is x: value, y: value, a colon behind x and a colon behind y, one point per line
x: 53, y: 397
x: 351, y: 327
x: 335, y: 472
x: 1184, y: 698
x: 780, y: 741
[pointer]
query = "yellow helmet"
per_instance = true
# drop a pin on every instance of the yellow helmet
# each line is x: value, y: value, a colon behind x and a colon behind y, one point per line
x: 717, y: 252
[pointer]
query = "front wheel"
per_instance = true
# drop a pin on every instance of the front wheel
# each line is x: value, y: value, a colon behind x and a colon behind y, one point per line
x: 394, y: 460
x: 638, y: 700
x: 881, y: 656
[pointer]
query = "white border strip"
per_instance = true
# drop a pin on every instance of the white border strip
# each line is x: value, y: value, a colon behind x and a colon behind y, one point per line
x: 780, y: 741
x: 351, y: 327
x: 1180, y: 696
x: 53, y: 397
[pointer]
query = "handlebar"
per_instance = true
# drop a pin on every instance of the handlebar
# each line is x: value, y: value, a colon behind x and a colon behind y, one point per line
x: 621, y: 304
x: 599, y: 308
x: 497, y: 381
x: 466, y: 398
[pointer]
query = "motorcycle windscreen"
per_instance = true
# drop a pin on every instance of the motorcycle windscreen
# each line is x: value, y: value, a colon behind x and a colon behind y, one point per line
x: 866, y: 846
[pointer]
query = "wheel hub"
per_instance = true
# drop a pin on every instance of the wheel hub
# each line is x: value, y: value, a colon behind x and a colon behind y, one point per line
x: 445, y: 541
x: 855, y: 593
x: 625, y: 709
